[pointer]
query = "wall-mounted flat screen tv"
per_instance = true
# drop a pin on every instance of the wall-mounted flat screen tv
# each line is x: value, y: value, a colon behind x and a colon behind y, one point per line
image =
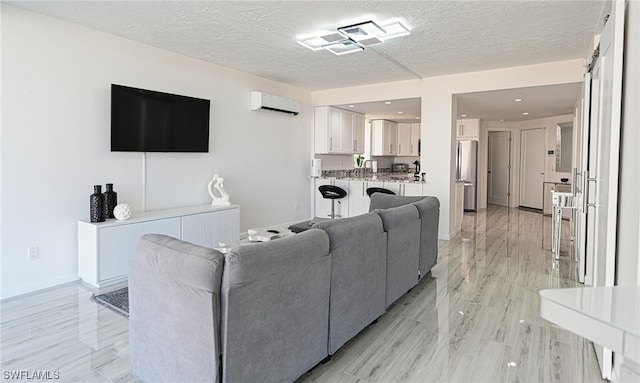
x: 149, y: 121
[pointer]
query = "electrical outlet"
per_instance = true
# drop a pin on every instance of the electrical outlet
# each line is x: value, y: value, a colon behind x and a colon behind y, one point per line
x: 33, y: 253
x: 297, y: 206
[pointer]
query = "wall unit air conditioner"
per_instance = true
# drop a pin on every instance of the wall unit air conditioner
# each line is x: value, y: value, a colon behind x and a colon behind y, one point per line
x: 271, y: 102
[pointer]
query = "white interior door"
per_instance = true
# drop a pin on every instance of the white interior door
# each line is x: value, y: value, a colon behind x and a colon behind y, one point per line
x: 498, y: 172
x: 603, y: 166
x: 532, y: 163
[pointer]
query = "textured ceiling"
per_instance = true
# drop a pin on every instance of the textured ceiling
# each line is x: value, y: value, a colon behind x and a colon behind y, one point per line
x: 259, y: 37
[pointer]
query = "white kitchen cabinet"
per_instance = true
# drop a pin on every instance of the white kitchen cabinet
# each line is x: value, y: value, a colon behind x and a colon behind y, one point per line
x: 104, y: 248
x: 404, y: 140
x: 358, y: 132
x: 413, y: 189
x: 358, y: 198
x: 468, y: 129
x: 338, y: 131
x: 384, y: 138
x: 395, y: 187
x: 415, y: 139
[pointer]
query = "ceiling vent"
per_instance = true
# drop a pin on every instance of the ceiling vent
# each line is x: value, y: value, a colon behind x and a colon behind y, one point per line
x: 271, y: 102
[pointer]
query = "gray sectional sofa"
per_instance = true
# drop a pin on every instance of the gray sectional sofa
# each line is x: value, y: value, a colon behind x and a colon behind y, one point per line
x: 271, y: 311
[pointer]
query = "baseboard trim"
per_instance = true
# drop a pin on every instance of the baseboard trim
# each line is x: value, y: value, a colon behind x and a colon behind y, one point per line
x: 21, y: 291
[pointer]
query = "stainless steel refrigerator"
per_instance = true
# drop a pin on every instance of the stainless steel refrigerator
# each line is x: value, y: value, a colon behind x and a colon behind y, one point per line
x: 467, y: 171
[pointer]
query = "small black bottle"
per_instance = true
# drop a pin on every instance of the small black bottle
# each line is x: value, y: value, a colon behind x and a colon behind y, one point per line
x: 96, y: 204
x: 110, y: 201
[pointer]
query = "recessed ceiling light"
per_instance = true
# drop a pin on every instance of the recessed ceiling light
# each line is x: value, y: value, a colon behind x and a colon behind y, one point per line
x: 501, y: 120
x: 400, y: 112
x: 517, y: 100
x: 525, y: 113
x: 387, y: 102
x: 463, y: 115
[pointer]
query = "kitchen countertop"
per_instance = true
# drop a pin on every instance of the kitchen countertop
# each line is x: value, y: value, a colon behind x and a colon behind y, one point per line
x: 382, y: 177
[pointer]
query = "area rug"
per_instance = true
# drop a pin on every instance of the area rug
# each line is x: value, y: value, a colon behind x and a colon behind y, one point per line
x: 117, y: 300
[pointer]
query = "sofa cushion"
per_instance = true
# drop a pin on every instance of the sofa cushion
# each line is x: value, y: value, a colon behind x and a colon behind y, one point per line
x: 174, y: 298
x: 402, y: 225
x: 275, y: 308
x: 429, y: 210
x: 358, y: 275
x: 386, y: 201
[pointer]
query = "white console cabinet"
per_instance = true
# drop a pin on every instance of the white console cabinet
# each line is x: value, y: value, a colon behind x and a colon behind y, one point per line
x: 104, y: 248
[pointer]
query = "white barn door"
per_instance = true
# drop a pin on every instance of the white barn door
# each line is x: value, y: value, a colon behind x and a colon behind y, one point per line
x: 603, y: 163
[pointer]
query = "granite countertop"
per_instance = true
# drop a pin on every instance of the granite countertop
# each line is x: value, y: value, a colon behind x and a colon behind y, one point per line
x: 381, y: 177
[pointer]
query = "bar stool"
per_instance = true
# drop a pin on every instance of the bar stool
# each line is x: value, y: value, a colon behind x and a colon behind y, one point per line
x: 372, y: 190
x: 333, y: 193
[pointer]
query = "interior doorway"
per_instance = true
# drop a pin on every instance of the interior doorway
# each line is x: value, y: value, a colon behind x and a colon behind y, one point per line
x: 499, y: 168
x: 532, y: 167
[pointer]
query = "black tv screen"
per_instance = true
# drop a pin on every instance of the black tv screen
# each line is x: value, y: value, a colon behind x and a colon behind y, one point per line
x: 149, y: 121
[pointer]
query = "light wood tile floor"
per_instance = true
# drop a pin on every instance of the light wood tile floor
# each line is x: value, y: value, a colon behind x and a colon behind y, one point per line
x: 474, y: 319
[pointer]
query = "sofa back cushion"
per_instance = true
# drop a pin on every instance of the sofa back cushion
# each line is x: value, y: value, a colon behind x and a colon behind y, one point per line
x: 358, y: 275
x: 387, y: 201
x: 429, y: 210
x: 275, y: 308
x: 174, y: 310
x: 402, y: 225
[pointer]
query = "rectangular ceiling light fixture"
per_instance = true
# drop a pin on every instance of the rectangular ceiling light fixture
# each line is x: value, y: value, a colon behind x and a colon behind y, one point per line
x: 344, y: 47
x: 362, y: 31
x: 317, y: 43
x: 354, y: 38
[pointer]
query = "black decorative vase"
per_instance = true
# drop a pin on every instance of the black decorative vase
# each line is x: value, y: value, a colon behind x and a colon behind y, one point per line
x: 96, y: 204
x: 110, y: 201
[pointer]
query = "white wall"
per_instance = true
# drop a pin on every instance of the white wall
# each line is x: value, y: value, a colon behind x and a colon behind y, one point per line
x: 516, y: 127
x: 56, y: 80
x: 628, y: 257
x: 438, y: 114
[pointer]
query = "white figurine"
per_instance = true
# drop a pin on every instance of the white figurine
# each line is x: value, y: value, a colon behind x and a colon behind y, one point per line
x: 217, y: 193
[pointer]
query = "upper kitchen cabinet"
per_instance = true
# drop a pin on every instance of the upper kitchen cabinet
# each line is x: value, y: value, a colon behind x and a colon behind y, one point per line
x: 408, y: 139
x: 384, y: 138
x: 468, y: 129
x: 404, y: 139
x: 415, y: 139
x: 338, y: 131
